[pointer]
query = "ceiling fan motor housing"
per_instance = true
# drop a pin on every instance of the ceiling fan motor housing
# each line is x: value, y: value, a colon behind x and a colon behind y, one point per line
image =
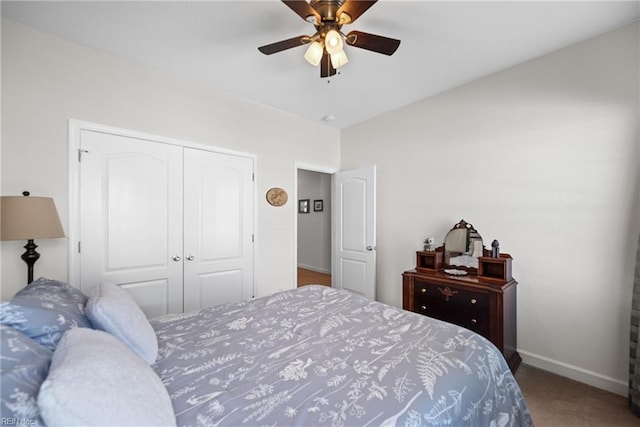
x: 327, y: 9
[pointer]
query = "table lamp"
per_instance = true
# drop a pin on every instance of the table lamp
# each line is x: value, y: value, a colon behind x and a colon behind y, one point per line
x: 29, y: 218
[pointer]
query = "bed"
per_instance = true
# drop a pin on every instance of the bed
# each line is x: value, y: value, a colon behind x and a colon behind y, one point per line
x: 313, y: 356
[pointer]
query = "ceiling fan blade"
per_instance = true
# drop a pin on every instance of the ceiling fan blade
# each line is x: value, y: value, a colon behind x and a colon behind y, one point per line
x: 372, y: 42
x: 355, y: 8
x: 326, y: 69
x: 302, y: 9
x: 283, y: 45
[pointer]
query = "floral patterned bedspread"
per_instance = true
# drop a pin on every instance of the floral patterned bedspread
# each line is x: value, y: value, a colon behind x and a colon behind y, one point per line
x: 316, y: 356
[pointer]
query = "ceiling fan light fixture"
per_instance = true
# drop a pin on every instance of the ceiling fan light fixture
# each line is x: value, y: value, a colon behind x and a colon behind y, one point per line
x: 333, y: 42
x: 313, y: 55
x: 326, y: 45
x: 339, y: 59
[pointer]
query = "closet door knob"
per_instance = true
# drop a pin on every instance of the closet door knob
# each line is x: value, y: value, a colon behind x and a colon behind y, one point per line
x: 190, y: 257
x: 176, y: 258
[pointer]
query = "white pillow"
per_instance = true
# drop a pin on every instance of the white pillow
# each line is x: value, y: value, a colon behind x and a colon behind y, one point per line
x: 96, y: 380
x: 111, y: 309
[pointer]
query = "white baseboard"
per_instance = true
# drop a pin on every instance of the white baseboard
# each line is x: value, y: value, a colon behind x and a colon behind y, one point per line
x: 575, y: 373
x: 316, y: 269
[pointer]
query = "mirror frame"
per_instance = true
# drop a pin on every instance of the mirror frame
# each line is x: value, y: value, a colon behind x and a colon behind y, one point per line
x: 462, y: 225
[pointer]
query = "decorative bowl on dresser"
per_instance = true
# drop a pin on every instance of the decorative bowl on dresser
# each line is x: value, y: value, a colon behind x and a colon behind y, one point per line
x: 461, y: 283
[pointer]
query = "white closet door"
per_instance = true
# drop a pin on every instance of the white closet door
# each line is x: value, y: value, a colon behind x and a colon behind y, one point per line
x: 131, y: 219
x: 218, y: 228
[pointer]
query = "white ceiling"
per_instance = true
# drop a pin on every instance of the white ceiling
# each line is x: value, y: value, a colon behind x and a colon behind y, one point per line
x: 444, y: 44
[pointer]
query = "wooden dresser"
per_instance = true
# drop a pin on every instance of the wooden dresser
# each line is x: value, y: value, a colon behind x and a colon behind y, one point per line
x: 484, y: 302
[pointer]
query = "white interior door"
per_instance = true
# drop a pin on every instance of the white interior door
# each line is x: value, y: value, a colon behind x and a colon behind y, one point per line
x: 131, y: 219
x: 354, y: 224
x: 218, y: 229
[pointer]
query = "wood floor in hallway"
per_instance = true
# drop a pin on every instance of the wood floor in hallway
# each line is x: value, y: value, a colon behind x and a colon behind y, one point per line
x: 309, y: 277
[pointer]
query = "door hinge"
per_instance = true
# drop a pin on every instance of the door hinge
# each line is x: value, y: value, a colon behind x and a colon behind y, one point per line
x: 253, y: 176
x: 79, y: 247
x: 253, y: 238
x: 80, y: 151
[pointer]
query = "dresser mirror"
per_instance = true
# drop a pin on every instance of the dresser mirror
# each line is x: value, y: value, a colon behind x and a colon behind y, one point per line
x: 462, y: 247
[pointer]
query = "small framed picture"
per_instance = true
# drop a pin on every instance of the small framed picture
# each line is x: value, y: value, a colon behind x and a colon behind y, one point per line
x: 317, y: 205
x: 303, y: 206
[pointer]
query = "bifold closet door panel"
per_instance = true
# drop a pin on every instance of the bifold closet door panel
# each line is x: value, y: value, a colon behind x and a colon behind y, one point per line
x: 218, y: 228
x: 131, y: 219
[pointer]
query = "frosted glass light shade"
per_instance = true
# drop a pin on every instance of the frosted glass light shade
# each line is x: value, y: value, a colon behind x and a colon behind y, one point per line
x: 339, y: 59
x: 333, y: 42
x: 313, y: 55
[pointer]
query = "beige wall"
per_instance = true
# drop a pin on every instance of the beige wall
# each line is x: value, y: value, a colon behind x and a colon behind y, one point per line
x: 46, y: 80
x: 544, y: 158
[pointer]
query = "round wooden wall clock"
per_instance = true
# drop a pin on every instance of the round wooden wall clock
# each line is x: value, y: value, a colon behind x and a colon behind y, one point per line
x: 277, y: 196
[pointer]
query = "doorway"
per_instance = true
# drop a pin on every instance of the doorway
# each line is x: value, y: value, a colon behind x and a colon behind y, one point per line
x: 313, y: 227
x: 348, y: 235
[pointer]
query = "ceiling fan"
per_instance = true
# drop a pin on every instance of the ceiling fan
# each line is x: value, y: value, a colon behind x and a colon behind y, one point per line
x: 326, y: 45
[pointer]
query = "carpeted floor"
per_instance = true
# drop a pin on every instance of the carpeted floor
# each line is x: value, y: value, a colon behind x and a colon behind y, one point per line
x: 557, y: 401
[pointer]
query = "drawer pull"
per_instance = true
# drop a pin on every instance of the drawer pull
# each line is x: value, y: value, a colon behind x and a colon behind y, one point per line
x: 473, y: 301
x: 447, y: 292
x: 474, y: 321
x: 424, y: 307
x: 423, y: 290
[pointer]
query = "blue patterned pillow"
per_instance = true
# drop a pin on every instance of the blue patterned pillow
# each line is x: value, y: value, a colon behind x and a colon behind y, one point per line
x: 24, y: 367
x: 44, y: 310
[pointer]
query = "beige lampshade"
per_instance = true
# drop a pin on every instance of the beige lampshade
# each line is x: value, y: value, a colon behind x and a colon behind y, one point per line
x: 26, y: 217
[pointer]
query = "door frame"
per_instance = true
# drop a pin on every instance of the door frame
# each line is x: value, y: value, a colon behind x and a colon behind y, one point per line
x: 74, y: 129
x: 297, y: 166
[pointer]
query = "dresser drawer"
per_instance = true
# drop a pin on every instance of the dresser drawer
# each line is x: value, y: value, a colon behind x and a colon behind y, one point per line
x: 475, y: 320
x: 452, y: 294
x: 455, y: 305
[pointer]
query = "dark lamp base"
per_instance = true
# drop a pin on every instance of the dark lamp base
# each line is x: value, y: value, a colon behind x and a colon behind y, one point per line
x: 30, y: 257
